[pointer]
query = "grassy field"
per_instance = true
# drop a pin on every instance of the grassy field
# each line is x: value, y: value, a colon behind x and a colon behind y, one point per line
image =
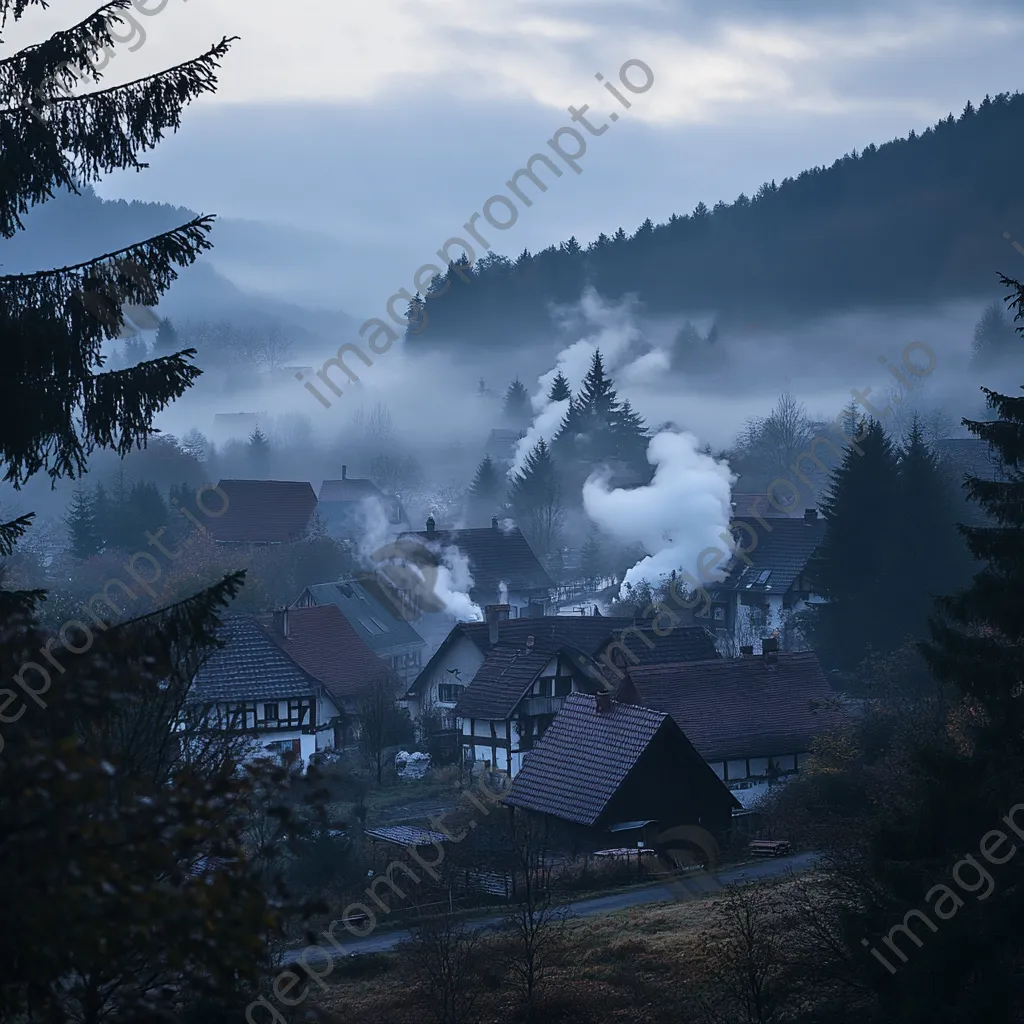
x: 640, y: 964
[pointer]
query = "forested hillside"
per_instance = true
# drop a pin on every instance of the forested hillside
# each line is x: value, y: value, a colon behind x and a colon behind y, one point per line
x: 918, y: 219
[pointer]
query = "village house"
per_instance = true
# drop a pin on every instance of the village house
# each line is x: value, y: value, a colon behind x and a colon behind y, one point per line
x: 504, y: 567
x: 753, y: 718
x: 342, y: 505
x: 501, y: 682
x: 261, y: 511
x: 767, y: 583
x: 609, y: 772
x: 291, y: 680
x: 364, y: 604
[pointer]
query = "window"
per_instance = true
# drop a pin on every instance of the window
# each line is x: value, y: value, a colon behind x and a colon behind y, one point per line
x: 763, y: 578
x: 546, y: 687
x: 271, y: 712
x: 736, y: 769
x: 719, y: 613
x: 563, y: 686
x: 449, y: 693
x: 372, y: 626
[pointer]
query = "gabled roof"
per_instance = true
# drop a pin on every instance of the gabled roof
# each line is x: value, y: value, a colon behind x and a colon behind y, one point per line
x: 585, y: 756
x: 779, y: 556
x: 510, y: 666
x: 263, y: 511
x: 495, y: 555
x: 509, y: 670
x: 323, y: 644
x: 969, y: 456
x: 349, y: 489
x: 376, y: 621
x: 250, y: 667
x: 742, y: 707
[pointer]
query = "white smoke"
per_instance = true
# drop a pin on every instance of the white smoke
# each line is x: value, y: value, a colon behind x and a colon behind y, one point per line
x: 614, y: 331
x: 376, y: 530
x: 453, y: 583
x: 682, y: 512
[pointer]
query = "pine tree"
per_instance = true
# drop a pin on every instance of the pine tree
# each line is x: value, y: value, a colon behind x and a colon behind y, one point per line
x: 166, y: 341
x: 163, y: 902
x: 57, y: 320
x: 486, y: 492
x: 631, y: 436
x: 855, y: 564
x: 517, y: 404
x: 81, y: 524
x: 258, y: 451
x: 931, y: 558
x: 994, y: 338
x: 196, y: 445
x: 559, y: 390
x: 535, y: 498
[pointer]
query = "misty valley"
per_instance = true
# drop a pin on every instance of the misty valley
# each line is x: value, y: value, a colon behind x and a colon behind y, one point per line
x: 624, y: 620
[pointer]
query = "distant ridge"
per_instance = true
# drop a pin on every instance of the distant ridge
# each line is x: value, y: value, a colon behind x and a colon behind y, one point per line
x: 915, y: 220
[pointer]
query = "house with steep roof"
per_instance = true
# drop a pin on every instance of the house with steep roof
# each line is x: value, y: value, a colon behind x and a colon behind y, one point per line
x: 363, y: 602
x: 342, y: 504
x: 501, y: 682
x: 767, y: 583
x: 610, y: 768
x: 262, y: 511
x: 504, y: 568
x: 291, y: 680
x: 753, y: 719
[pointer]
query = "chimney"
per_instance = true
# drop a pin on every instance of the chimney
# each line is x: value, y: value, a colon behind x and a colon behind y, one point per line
x: 770, y: 649
x: 603, y: 702
x: 747, y: 651
x: 810, y: 515
x: 344, y: 472
x: 529, y: 643
x: 494, y: 522
x: 281, y: 621
x: 495, y: 614
x: 430, y: 526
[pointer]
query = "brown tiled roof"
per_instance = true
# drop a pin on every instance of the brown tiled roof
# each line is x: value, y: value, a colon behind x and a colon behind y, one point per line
x: 742, y: 707
x: 782, y: 551
x: 585, y: 756
x: 263, y: 511
x: 507, y: 673
x: 322, y: 643
x: 495, y: 555
x: 509, y: 668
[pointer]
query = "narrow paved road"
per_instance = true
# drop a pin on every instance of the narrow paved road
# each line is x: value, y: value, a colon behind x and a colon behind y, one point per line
x: 677, y: 890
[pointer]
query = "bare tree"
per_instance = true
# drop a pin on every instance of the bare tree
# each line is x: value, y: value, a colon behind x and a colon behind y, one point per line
x: 535, y: 918
x: 272, y: 348
x: 444, y: 954
x: 752, y: 975
x: 395, y: 474
x: 383, y: 723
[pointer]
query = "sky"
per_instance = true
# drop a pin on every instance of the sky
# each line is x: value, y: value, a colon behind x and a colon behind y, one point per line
x: 377, y: 129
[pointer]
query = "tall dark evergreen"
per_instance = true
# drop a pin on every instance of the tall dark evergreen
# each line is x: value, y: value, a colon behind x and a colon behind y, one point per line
x: 855, y: 566
x: 559, y: 390
x: 258, y: 452
x: 994, y: 338
x: 166, y: 341
x: 125, y: 875
x: 517, y: 404
x: 979, y: 644
x: 486, y: 492
x: 535, y: 496
x: 931, y: 558
x: 81, y: 524
x: 54, y: 322
x: 598, y: 427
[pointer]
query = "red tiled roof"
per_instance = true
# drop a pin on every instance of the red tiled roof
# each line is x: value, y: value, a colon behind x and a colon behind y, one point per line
x: 263, y: 511
x: 742, y: 707
x: 322, y: 642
